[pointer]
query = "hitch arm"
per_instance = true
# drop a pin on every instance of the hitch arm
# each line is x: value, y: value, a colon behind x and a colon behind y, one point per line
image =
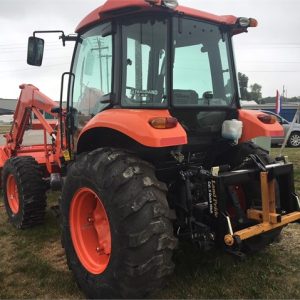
x: 267, y: 217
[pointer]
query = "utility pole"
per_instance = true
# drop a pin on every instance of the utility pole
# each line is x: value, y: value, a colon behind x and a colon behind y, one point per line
x: 286, y: 94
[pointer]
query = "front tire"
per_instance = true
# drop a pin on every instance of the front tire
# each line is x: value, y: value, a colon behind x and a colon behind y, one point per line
x: 24, y: 192
x: 117, y: 234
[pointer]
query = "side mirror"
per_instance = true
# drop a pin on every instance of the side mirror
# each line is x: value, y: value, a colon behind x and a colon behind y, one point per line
x: 35, y: 51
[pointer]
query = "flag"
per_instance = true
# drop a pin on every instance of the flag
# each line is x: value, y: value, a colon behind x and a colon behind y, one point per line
x: 278, y: 102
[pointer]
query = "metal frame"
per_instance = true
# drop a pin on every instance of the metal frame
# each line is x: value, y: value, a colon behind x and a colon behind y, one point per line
x: 268, y: 217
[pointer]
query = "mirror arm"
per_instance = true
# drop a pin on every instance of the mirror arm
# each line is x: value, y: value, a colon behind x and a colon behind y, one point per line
x: 49, y: 31
x: 70, y: 37
x: 63, y: 37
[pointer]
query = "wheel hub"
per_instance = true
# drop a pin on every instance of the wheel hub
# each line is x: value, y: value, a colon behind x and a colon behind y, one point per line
x: 295, y: 140
x: 12, y: 194
x: 90, y: 230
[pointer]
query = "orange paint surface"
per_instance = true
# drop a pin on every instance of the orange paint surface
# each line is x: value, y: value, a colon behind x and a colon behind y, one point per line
x: 103, y: 12
x: 253, y: 127
x: 135, y: 124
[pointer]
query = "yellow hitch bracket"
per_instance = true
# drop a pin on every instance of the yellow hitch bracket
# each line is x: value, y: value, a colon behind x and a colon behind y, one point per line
x: 267, y: 217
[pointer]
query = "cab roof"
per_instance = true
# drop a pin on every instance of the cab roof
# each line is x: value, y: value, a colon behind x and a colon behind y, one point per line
x: 114, y: 8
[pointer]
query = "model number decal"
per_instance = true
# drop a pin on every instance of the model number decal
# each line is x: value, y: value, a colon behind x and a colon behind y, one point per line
x: 143, y: 93
x: 212, y: 198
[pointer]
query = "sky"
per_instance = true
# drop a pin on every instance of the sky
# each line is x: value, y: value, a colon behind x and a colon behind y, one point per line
x: 269, y: 54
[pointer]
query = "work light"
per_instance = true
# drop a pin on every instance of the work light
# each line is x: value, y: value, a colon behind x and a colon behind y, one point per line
x: 170, y: 3
x: 246, y: 22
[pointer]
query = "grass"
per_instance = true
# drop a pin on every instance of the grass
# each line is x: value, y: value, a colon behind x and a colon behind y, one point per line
x: 33, y: 265
x: 4, y: 128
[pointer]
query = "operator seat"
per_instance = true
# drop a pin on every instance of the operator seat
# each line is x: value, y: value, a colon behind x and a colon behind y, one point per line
x: 89, y: 102
x: 185, y: 97
x: 181, y: 100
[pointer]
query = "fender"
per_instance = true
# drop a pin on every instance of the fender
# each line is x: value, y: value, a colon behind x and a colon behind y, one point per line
x: 135, y: 124
x: 253, y: 127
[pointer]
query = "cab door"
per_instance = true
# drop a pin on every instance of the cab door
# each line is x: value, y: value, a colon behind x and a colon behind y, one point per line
x: 92, y: 67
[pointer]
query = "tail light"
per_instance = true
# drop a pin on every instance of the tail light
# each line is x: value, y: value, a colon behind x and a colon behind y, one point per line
x: 253, y: 22
x: 267, y: 119
x: 163, y: 122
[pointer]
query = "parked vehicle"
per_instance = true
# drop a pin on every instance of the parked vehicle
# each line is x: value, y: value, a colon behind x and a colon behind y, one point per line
x: 294, y: 138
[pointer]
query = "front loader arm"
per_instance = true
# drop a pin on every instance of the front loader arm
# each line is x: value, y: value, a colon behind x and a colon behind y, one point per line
x: 30, y: 100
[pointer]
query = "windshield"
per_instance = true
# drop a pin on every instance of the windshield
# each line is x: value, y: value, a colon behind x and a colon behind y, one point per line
x: 201, y: 68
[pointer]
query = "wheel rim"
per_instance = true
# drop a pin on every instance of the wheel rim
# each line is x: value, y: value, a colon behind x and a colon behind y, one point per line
x: 12, y: 194
x: 90, y: 231
x: 295, y: 140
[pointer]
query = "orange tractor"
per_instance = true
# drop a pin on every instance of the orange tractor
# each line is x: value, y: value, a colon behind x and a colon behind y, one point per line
x: 150, y: 147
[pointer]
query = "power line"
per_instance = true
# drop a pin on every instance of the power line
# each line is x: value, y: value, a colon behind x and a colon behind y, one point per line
x: 31, y: 69
x: 269, y: 71
x: 5, y: 52
x: 6, y: 45
x: 24, y: 60
x: 270, y: 62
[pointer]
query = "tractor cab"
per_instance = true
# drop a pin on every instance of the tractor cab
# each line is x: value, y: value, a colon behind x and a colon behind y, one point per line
x: 151, y: 56
x: 153, y: 59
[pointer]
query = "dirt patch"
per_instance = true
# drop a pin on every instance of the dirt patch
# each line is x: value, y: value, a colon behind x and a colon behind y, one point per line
x: 54, y: 254
x: 290, y: 238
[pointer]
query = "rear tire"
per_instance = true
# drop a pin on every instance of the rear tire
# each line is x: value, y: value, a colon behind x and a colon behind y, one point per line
x: 294, y: 140
x: 136, y: 231
x: 24, y: 192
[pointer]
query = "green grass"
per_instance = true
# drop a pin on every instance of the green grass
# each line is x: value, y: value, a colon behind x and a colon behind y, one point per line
x: 33, y: 265
x: 4, y: 128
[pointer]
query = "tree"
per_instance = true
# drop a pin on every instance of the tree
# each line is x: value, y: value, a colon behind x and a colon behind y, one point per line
x: 243, y: 82
x: 255, y: 92
x: 255, y: 89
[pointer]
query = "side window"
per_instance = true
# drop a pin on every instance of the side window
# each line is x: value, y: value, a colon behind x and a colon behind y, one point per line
x: 227, y: 76
x: 137, y: 69
x: 93, y: 72
x: 280, y: 121
x: 144, y: 48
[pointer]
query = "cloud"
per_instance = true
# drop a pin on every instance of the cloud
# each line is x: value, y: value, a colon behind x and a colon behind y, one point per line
x: 268, y: 54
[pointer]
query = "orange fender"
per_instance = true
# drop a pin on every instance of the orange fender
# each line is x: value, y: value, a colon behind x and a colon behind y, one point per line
x: 253, y: 127
x: 135, y: 124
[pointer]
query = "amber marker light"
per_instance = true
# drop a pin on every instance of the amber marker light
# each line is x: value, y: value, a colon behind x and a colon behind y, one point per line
x: 267, y: 119
x: 163, y: 122
x: 253, y: 22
